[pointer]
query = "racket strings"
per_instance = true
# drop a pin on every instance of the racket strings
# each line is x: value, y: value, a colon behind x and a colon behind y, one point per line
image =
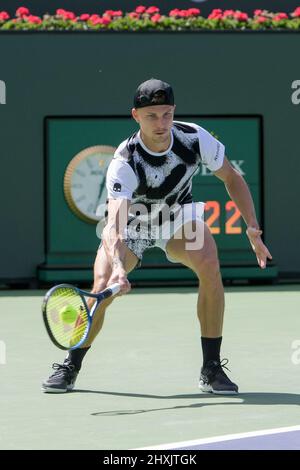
x: 67, y: 333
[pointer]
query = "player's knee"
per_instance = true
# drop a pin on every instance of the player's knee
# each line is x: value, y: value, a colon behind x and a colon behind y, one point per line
x: 208, y: 269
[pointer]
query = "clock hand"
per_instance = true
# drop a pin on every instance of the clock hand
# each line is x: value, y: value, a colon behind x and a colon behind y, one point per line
x: 100, y: 193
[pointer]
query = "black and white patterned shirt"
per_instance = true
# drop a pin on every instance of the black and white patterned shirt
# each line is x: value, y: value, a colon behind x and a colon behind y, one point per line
x: 145, y: 177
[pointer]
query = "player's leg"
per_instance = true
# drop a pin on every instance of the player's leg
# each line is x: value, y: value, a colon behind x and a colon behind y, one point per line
x: 210, y: 307
x: 204, y: 262
x: 102, y: 273
x: 65, y: 375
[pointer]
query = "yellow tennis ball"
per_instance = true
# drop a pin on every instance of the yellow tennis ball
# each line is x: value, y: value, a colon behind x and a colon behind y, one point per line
x: 68, y: 314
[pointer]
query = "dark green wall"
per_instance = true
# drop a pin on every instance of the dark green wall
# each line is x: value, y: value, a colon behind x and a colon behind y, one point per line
x: 96, y: 74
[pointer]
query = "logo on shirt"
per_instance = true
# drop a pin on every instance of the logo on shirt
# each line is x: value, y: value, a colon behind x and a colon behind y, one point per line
x: 218, y: 151
x: 117, y: 187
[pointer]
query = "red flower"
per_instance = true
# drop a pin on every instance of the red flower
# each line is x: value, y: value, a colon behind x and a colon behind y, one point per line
x: 152, y: 10
x: 113, y: 13
x: 215, y: 16
x: 22, y: 11
x: 228, y: 13
x: 66, y: 15
x: 296, y: 13
x: 156, y: 18
x: 69, y: 15
x: 141, y: 9
x: 184, y: 14
x: 84, y: 17
x: 194, y: 11
x: 261, y: 19
x: 94, y: 18
x: 134, y: 15
x: 174, y: 12
x: 33, y: 19
x: 4, y: 16
x: 238, y: 15
x: 280, y: 16
x: 106, y: 20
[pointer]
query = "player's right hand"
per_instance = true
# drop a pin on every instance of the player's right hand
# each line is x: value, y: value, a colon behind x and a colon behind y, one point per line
x: 259, y: 248
x: 119, y: 275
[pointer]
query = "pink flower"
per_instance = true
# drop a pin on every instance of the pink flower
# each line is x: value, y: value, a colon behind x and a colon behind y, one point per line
x: 84, y: 17
x: 69, y: 15
x: 4, y: 16
x: 257, y: 12
x: 296, y: 13
x: 261, y: 19
x: 152, y: 10
x: 238, y: 15
x: 140, y: 9
x: 113, y: 13
x: 156, y: 18
x: 280, y: 16
x: 66, y: 15
x: 94, y: 17
x: 22, y: 11
x: 215, y: 16
x: 174, y: 12
x: 106, y: 19
x: 33, y: 19
x: 228, y: 13
x: 194, y: 11
x: 216, y: 11
x: 134, y: 15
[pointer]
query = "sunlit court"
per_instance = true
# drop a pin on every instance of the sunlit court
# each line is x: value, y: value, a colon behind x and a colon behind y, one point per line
x: 140, y: 385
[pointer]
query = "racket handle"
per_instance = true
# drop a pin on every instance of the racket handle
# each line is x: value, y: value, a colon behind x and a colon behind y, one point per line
x: 113, y: 289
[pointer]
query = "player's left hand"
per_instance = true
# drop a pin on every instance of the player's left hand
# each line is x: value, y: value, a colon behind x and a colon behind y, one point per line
x: 259, y: 248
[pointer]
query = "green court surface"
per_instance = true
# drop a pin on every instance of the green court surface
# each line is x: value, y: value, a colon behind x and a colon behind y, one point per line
x: 138, y: 385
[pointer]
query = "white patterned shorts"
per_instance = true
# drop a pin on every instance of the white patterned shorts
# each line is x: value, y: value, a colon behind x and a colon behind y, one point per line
x: 140, y: 240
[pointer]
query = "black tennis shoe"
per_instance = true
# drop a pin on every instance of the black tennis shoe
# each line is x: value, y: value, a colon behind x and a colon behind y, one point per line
x: 214, y: 380
x: 62, y: 380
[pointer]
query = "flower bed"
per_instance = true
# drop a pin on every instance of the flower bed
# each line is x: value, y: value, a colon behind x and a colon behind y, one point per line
x: 145, y: 19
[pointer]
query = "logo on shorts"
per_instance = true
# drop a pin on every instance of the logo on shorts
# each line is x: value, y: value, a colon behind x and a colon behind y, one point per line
x: 117, y: 187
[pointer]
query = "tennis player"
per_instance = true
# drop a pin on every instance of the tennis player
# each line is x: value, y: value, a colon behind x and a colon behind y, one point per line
x: 149, y: 184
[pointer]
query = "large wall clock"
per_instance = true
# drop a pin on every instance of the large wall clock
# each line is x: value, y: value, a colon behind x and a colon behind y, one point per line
x: 84, y: 182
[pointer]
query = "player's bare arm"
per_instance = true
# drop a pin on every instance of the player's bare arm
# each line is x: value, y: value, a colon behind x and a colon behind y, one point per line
x: 113, y: 241
x: 239, y: 192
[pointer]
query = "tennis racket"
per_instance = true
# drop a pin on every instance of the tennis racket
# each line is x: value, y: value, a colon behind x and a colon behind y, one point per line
x: 67, y: 314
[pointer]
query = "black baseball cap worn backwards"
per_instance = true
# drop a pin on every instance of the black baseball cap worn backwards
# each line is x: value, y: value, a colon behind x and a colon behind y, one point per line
x: 153, y: 92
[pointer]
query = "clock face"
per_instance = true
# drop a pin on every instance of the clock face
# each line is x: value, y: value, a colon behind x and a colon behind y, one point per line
x: 84, y: 182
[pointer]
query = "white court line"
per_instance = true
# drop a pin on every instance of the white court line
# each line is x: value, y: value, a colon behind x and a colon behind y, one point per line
x: 226, y: 437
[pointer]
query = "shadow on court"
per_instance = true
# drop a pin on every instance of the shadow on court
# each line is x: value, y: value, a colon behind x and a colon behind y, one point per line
x: 263, y: 399
x: 138, y: 290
